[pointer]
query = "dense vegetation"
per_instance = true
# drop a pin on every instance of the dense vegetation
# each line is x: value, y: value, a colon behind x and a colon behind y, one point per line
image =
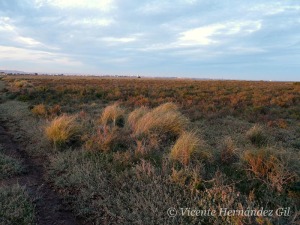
x: 124, y: 150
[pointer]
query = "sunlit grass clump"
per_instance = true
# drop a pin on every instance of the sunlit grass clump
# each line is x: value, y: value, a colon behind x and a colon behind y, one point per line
x: 113, y: 114
x: 135, y: 115
x: 186, y: 145
x: 164, y: 119
x: 62, y: 130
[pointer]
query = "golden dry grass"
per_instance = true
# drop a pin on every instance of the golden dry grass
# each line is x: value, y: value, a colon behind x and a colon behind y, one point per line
x: 62, y: 129
x: 161, y: 120
x: 186, y: 145
x: 39, y: 110
x: 135, y: 115
x: 112, y: 114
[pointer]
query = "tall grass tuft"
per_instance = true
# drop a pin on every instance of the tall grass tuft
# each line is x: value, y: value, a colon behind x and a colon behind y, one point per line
x: 135, y: 115
x: 257, y: 136
x: 164, y: 119
x: 113, y: 114
x: 186, y: 145
x: 62, y: 130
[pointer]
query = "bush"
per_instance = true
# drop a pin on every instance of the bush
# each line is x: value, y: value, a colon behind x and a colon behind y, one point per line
x: 62, y: 130
x: 15, y: 206
x: 113, y: 114
x: 266, y: 166
x: 186, y: 145
x: 9, y: 167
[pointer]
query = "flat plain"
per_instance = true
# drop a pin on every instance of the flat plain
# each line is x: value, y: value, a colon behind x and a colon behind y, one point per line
x: 108, y: 150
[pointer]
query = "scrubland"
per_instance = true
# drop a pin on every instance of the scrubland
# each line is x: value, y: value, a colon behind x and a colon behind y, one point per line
x: 124, y: 151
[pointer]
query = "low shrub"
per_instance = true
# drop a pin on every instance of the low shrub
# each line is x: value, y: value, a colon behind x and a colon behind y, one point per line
x: 269, y: 168
x: 16, y: 206
x: 9, y: 167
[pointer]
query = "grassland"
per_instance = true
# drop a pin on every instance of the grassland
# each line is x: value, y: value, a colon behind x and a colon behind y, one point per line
x: 123, y: 151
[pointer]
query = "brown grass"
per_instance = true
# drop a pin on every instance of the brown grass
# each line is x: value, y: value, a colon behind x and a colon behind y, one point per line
x: 62, y: 129
x: 186, y: 145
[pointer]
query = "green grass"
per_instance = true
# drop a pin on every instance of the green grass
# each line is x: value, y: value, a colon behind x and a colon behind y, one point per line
x: 15, y: 206
x: 9, y: 167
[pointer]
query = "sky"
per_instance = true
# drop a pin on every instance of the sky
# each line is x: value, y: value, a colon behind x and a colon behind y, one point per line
x: 216, y: 39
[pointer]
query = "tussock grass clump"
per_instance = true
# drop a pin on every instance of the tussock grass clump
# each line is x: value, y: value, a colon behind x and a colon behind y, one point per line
x: 257, y: 136
x: 135, y: 115
x: 164, y: 119
x: 186, y: 145
x: 113, y: 114
x: 62, y: 130
x: 39, y: 110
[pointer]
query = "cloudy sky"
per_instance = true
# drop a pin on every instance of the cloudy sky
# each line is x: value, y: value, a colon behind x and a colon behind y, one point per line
x: 230, y: 39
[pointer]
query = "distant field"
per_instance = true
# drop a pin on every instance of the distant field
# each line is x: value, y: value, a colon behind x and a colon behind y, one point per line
x: 125, y: 150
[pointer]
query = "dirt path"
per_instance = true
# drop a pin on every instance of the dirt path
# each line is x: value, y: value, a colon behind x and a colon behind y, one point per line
x: 50, y: 209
